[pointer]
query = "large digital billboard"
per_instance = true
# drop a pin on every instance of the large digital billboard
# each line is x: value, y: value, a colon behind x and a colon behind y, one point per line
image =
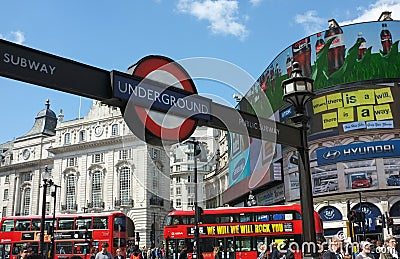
x: 337, y: 56
x: 356, y: 71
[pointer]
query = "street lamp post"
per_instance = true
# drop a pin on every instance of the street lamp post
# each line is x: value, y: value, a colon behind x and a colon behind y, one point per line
x: 298, y: 90
x: 197, y: 210
x: 54, y: 195
x: 46, y: 182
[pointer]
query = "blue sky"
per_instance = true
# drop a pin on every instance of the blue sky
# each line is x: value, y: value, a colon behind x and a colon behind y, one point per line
x: 113, y: 35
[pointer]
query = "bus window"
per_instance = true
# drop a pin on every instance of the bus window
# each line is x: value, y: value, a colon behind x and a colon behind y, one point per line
x: 82, y: 248
x: 83, y: 223
x: 120, y: 224
x: 8, y: 225
x: 243, y: 244
x: 263, y: 217
x: 66, y: 224
x: 245, y: 217
x: 23, y: 225
x: 64, y: 247
x: 5, y: 252
x: 35, y: 224
x: 100, y: 223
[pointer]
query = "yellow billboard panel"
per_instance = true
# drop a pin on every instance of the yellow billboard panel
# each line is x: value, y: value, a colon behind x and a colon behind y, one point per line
x: 334, y: 101
x: 365, y: 113
x: 366, y: 97
x: 345, y: 114
x: 383, y: 95
x: 383, y: 112
x: 350, y: 99
x: 319, y: 104
x: 329, y: 120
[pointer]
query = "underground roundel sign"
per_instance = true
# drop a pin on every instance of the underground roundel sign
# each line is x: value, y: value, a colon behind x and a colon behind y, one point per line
x: 148, y: 113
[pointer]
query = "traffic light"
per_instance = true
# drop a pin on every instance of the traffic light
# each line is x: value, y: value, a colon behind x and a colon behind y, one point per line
x: 137, y: 237
x: 356, y: 216
x: 199, y: 212
x: 360, y: 216
x: 390, y: 223
x: 352, y: 216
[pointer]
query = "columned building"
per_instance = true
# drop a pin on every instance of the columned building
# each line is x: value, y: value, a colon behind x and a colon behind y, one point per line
x: 98, y: 164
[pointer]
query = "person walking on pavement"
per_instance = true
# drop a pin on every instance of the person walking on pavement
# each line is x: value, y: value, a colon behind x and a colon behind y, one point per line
x: 366, y: 252
x: 104, y: 254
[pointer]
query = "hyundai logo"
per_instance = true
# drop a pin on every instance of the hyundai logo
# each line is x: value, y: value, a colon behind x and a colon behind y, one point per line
x: 331, y: 154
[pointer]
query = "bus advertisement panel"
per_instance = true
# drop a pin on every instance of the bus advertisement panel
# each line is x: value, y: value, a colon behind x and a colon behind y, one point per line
x: 74, y: 234
x: 238, y: 232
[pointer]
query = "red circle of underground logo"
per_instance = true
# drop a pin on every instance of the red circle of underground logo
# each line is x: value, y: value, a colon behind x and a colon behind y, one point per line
x: 155, y: 131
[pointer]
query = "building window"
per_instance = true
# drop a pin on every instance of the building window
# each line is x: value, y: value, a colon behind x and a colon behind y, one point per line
x: 98, y: 158
x: 4, y: 212
x: 67, y: 138
x: 7, y: 179
x: 47, y: 208
x: 82, y: 135
x: 5, y: 196
x: 125, y: 154
x: 190, y: 201
x: 154, y: 153
x: 155, y: 180
x: 70, y: 192
x: 189, y: 178
x: 178, y: 203
x: 191, y: 189
x: 125, y: 186
x: 178, y: 179
x: 190, y: 156
x: 178, y: 190
x: 114, y: 130
x: 73, y: 161
x: 97, y: 179
x: 178, y: 168
x: 26, y: 177
x: 26, y: 202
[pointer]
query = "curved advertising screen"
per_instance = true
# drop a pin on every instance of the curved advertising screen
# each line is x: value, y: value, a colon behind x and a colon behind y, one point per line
x: 356, y: 69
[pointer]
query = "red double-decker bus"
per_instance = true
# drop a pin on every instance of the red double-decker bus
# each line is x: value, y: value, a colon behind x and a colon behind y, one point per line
x: 237, y: 231
x: 74, y: 234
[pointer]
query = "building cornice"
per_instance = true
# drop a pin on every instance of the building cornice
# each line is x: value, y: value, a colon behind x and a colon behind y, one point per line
x: 29, y: 164
x: 90, y: 144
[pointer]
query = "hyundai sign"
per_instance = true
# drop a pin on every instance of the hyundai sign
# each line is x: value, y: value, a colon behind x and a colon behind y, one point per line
x: 358, y: 151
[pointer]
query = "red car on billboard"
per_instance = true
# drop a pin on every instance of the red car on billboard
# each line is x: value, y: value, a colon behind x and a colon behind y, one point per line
x: 360, y: 181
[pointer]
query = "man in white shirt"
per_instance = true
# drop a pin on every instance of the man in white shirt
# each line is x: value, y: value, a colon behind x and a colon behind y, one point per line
x: 104, y: 254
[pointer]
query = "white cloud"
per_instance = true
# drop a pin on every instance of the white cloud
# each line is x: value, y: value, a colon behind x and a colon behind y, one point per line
x: 373, y: 11
x: 311, y: 22
x: 221, y: 14
x: 255, y: 2
x: 15, y: 36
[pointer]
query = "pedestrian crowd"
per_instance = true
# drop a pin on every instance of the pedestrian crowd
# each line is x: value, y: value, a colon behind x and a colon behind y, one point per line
x: 334, y: 249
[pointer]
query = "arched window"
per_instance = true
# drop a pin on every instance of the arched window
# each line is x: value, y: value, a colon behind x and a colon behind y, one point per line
x: 67, y: 138
x: 82, y: 135
x: 125, y: 185
x: 97, y: 179
x: 114, y: 130
x: 71, y: 192
x: 26, y: 202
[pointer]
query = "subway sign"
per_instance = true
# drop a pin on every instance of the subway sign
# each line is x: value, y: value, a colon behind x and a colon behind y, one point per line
x: 358, y: 151
x: 244, y: 229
